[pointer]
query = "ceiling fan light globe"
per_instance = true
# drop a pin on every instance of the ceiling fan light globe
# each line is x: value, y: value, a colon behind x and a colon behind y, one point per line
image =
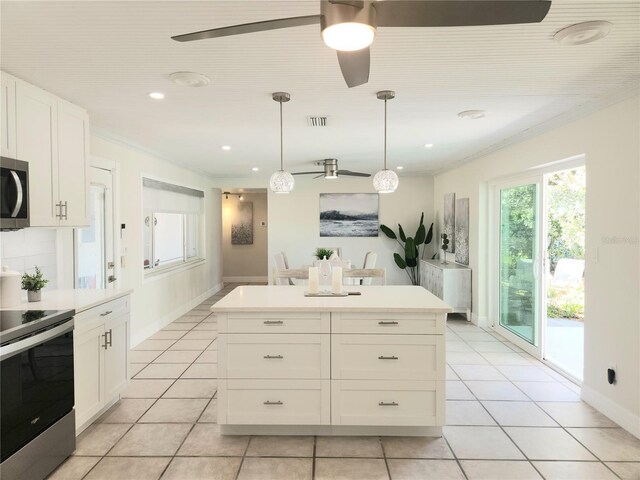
x: 385, y: 181
x: 281, y: 182
x: 348, y: 36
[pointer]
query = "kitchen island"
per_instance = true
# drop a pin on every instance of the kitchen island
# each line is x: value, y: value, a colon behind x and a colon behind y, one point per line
x: 369, y: 364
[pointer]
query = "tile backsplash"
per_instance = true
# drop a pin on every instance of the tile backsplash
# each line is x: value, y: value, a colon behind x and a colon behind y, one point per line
x: 23, y: 249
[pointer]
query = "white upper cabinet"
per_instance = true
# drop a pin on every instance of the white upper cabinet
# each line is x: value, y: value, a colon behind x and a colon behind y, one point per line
x: 8, y: 119
x: 53, y: 136
x: 73, y: 152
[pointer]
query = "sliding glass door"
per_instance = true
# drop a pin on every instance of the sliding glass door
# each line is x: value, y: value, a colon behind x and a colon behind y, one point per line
x: 518, y: 255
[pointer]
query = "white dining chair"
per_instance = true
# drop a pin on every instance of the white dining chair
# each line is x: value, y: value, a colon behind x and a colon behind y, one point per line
x: 281, y: 264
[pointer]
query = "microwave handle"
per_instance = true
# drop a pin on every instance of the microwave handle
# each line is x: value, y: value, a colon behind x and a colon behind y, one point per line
x: 19, y: 196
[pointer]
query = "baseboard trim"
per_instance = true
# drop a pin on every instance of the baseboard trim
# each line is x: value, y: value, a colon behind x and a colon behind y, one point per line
x: 173, y: 315
x: 480, y: 321
x: 623, y: 417
x: 250, y: 279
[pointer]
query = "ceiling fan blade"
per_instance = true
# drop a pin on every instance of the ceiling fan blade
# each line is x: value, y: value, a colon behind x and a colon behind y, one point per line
x: 307, y: 173
x: 451, y: 13
x: 319, y: 176
x: 249, y: 28
x: 355, y: 66
x: 353, y: 174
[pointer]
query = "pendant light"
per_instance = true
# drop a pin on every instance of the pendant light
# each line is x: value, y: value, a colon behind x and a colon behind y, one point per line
x: 385, y: 181
x: 281, y: 181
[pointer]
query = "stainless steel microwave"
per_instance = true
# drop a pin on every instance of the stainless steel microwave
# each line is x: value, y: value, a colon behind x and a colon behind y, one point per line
x: 14, y: 194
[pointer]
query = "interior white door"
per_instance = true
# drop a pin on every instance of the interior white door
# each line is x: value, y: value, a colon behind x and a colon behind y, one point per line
x: 94, y: 245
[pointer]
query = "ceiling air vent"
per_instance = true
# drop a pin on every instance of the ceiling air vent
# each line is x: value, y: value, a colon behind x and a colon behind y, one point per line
x: 316, y: 121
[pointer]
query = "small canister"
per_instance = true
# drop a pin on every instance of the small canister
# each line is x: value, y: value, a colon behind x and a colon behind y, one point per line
x: 10, y: 283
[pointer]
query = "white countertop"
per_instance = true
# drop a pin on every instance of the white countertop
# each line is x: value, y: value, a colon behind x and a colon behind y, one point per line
x: 79, y: 299
x: 396, y: 298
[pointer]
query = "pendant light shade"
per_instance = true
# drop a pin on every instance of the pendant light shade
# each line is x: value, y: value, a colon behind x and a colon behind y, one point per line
x: 385, y: 181
x: 281, y: 181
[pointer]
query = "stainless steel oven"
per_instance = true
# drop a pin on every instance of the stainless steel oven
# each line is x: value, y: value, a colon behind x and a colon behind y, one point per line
x: 36, y: 392
x: 14, y: 194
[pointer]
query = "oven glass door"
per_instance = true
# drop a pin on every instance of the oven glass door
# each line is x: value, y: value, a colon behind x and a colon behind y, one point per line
x: 36, y: 391
x: 13, y: 193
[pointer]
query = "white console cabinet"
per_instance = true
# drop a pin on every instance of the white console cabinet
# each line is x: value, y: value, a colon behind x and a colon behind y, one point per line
x: 101, y: 343
x: 52, y: 135
x: 451, y: 282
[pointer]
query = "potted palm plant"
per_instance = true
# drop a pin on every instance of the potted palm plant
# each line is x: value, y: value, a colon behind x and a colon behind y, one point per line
x: 34, y: 284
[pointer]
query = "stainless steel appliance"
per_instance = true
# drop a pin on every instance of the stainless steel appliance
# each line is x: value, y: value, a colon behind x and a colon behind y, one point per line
x: 36, y: 392
x: 14, y: 194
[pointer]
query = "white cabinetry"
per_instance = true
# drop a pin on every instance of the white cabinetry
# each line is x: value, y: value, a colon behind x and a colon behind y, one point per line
x: 53, y: 136
x: 8, y: 112
x: 321, y: 371
x: 101, y: 343
x: 450, y: 282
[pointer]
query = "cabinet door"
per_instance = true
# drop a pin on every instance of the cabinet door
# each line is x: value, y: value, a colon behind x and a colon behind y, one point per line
x: 36, y: 143
x: 73, y: 126
x: 88, y: 359
x: 115, y: 357
x: 8, y: 115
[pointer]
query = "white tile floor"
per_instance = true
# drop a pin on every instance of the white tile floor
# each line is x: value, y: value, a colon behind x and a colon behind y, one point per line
x: 508, y: 417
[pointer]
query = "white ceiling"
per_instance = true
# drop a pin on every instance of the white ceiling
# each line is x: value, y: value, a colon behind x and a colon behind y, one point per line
x: 107, y: 55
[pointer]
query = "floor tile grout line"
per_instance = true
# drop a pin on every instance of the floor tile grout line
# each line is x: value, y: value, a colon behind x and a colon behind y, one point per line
x: 246, y: 449
x: 313, y: 462
x: 455, y: 457
x: 384, y: 455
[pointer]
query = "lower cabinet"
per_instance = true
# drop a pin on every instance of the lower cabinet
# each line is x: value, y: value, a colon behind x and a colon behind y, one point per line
x: 336, y: 368
x: 101, y: 343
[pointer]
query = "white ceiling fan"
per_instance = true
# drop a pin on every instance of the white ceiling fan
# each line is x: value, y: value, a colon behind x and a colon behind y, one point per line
x: 331, y: 170
x: 350, y: 26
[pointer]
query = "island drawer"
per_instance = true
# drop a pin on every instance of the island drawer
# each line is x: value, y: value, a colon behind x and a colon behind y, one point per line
x: 388, y: 323
x: 274, y: 402
x: 274, y: 356
x: 388, y: 357
x: 372, y: 402
x: 249, y: 322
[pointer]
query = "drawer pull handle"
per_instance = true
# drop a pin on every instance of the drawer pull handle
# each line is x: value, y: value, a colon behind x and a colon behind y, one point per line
x: 383, y: 322
x: 108, y: 312
x: 273, y: 322
x: 273, y: 403
x: 392, y: 357
x: 388, y: 404
x: 273, y: 356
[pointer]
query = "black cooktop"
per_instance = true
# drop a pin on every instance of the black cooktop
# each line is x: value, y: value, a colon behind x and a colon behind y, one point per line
x: 18, y: 323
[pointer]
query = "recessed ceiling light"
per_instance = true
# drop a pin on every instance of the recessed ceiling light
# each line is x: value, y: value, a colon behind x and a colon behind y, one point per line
x: 189, y: 79
x: 226, y: 148
x: 157, y: 95
x: 255, y: 169
x: 428, y: 145
x: 472, y: 114
x: 399, y: 167
x: 581, y: 33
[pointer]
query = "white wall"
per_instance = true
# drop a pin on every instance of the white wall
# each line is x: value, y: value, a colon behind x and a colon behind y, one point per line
x: 158, y: 300
x: 294, y: 225
x: 610, y: 140
x: 245, y: 262
x: 22, y: 250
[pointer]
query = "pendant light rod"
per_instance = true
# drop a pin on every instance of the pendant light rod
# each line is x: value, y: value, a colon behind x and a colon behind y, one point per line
x: 281, y: 97
x: 281, y: 181
x: 385, y: 95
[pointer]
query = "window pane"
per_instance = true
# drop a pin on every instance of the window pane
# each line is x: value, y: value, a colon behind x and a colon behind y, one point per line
x: 168, y: 238
x: 192, y: 235
x: 90, y: 243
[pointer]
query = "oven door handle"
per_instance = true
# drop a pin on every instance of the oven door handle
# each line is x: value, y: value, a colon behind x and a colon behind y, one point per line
x: 20, y: 346
x: 19, y: 194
